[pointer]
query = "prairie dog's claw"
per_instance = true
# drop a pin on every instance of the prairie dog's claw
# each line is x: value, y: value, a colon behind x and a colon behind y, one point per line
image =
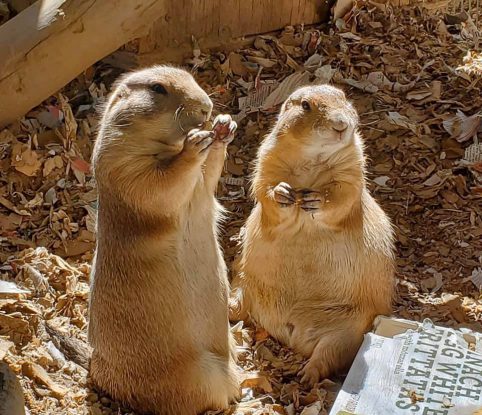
x: 224, y: 128
x: 310, y: 200
x: 222, y: 119
x: 310, y: 375
x: 284, y: 194
x: 198, y: 141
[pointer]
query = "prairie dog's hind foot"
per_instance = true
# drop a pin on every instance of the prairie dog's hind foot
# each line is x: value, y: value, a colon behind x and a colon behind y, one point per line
x: 332, y: 354
x: 313, y: 371
x: 237, y: 309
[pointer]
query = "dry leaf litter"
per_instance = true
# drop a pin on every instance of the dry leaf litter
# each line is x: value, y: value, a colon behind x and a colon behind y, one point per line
x: 414, y: 77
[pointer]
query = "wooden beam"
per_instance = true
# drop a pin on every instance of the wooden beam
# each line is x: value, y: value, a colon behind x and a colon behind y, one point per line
x: 53, y: 41
x: 214, y: 22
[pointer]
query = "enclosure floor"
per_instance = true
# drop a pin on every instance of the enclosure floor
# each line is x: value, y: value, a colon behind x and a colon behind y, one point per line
x: 416, y: 171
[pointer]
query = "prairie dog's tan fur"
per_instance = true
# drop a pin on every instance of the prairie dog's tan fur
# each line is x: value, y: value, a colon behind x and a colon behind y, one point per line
x: 158, y: 308
x: 317, y: 257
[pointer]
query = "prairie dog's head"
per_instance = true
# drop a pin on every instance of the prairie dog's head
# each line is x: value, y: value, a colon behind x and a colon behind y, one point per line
x: 319, y: 118
x: 154, y: 108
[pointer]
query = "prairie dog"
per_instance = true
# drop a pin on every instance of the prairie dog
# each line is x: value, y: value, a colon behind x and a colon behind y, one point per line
x: 158, y: 308
x: 317, y: 259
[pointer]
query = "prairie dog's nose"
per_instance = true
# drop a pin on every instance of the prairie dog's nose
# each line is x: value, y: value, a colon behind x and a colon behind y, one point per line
x: 339, y: 126
x: 206, y: 107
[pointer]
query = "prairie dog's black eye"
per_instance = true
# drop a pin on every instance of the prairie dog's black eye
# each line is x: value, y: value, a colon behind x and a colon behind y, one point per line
x: 159, y: 89
x: 305, y: 105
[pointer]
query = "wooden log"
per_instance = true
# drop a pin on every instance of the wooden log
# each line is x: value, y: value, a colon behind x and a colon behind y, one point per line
x: 19, y: 5
x: 53, y: 41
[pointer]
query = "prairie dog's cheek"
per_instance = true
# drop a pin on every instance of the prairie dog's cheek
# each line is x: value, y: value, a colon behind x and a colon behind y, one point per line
x: 313, y: 144
x: 323, y: 143
x: 348, y: 134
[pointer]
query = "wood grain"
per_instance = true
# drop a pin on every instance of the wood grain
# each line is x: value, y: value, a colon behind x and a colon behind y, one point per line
x: 51, y: 42
x: 216, y: 20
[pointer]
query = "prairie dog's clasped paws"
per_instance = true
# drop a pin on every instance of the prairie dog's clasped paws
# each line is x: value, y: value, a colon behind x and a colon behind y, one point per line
x: 310, y: 200
x: 224, y: 128
x: 284, y: 194
x: 198, y: 141
x: 307, y: 199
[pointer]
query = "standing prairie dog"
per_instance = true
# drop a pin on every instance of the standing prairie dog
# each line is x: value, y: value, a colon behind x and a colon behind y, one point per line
x: 317, y: 259
x: 158, y: 308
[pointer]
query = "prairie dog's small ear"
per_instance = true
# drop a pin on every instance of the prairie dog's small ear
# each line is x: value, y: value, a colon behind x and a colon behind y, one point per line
x: 286, y: 105
x: 122, y: 91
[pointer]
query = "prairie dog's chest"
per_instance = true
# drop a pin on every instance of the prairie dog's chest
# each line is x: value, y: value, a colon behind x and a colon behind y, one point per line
x: 310, y: 251
x: 198, y: 222
x: 308, y: 174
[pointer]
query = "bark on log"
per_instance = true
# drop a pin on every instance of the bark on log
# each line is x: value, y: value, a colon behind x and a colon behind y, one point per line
x: 53, y: 41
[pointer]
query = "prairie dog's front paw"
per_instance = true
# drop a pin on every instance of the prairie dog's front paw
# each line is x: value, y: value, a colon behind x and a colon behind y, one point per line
x: 310, y: 200
x: 284, y: 194
x: 198, y: 141
x: 224, y: 128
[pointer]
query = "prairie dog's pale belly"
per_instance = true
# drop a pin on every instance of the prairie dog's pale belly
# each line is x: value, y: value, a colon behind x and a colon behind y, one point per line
x: 174, y: 276
x: 202, y: 260
x: 306, y: 264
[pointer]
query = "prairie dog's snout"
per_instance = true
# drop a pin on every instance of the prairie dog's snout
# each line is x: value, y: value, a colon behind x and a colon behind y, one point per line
x: 198, y: 109
x: 339, y: 125
x: 321, y: 115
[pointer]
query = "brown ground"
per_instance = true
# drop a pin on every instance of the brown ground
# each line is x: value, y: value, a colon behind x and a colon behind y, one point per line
x: 418, y: 172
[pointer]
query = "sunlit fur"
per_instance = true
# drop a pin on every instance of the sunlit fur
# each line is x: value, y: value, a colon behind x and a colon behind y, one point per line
x: 158, y: 307
x: 315, y: 280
